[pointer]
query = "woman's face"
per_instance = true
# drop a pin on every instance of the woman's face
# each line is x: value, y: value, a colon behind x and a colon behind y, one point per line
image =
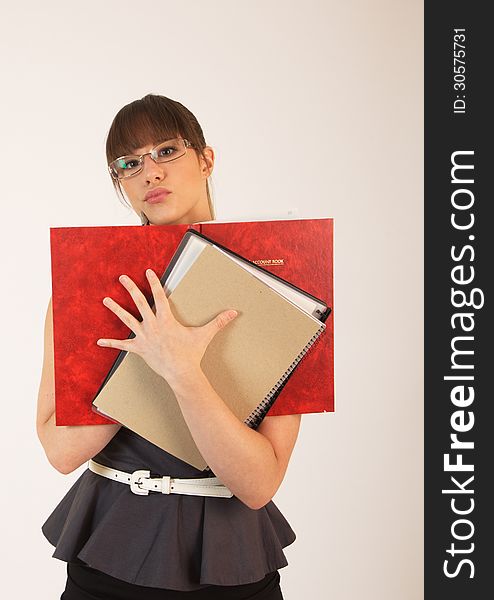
x: 171, y: 192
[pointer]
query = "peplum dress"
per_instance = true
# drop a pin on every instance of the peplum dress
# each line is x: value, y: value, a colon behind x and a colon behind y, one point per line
x: 171, y: 541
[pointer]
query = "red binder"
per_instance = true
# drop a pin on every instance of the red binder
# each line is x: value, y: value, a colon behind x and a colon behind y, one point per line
x: 87, y: 261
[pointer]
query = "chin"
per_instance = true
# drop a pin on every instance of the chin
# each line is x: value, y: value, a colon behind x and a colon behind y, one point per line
x: 172, y: 214
x: 166, y: 221
x: 157, y: 217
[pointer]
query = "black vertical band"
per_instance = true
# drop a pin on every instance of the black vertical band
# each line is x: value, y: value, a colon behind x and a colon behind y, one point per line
x: 459, y: 357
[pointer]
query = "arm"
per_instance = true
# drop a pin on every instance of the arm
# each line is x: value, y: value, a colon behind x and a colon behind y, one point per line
x: 66, y: 447
x: 251, y: 463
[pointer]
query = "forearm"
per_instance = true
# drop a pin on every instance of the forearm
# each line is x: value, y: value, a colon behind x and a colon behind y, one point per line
x: 68, y: 447
x: 241, y: 457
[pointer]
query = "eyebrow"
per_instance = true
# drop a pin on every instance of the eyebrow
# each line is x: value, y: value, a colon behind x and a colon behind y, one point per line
x: 135, y: 152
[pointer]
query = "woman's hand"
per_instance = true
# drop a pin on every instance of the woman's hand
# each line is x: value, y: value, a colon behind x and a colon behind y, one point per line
x: 167, y: 346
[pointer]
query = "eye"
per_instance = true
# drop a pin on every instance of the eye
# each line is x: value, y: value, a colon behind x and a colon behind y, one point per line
x: 166, y: 151
x: 128, y: 162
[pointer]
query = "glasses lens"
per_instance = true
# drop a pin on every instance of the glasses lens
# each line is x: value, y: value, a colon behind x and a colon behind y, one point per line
x: 169, y: 150
x: 125, y: 166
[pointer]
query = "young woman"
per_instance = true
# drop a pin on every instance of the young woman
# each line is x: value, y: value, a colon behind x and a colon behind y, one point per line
x: 123, y: 545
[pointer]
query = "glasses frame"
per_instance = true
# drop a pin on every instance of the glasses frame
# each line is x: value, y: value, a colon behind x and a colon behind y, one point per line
x: 152, y: 154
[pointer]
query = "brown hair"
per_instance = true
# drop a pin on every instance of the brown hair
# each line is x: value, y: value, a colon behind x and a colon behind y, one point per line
x: 151, y: 120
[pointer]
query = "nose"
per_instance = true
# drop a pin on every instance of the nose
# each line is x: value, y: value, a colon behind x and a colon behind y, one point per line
x: 152, y: 170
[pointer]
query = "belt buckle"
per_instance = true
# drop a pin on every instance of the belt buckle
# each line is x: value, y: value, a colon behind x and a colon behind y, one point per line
x: 135, y: 480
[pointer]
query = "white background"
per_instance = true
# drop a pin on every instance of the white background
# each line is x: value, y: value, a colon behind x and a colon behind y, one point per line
x: 314, y: 106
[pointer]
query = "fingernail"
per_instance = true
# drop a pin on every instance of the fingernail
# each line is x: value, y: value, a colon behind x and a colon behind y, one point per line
x: 122, y: 278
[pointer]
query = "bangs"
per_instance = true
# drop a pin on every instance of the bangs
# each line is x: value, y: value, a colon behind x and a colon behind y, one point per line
x: 150, y: 120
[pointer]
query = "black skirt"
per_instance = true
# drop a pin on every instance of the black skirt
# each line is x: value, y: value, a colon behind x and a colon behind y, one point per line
x: 85, y: 583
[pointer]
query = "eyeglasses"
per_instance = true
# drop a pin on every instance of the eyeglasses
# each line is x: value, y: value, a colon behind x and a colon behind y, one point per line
x: 130, y: 165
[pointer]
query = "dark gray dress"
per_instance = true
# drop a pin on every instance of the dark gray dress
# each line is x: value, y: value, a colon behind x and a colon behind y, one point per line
x: 166, y: 541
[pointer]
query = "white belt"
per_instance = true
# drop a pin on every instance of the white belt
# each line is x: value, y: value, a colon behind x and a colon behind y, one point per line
x: 141, y: 482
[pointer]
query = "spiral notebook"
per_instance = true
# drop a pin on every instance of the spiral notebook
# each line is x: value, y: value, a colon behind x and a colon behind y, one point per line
x: 247, y: 362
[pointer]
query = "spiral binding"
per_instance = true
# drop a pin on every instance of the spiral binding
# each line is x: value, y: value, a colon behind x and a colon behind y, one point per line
x: 258, y: 414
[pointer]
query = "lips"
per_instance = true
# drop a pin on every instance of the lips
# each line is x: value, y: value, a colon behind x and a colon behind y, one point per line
x: 156, y: 195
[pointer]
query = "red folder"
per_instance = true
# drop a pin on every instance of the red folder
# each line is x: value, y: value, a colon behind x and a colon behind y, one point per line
x: 87, y: 261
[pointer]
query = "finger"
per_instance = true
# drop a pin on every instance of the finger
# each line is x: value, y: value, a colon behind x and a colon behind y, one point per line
x: 118, y: 344
x: 138, y: 297
x: 219, y: 323
x: 129, y: 320
x: 160, y: 300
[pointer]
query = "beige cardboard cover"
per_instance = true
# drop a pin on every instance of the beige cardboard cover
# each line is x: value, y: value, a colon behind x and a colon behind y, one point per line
x: 243, y: 362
